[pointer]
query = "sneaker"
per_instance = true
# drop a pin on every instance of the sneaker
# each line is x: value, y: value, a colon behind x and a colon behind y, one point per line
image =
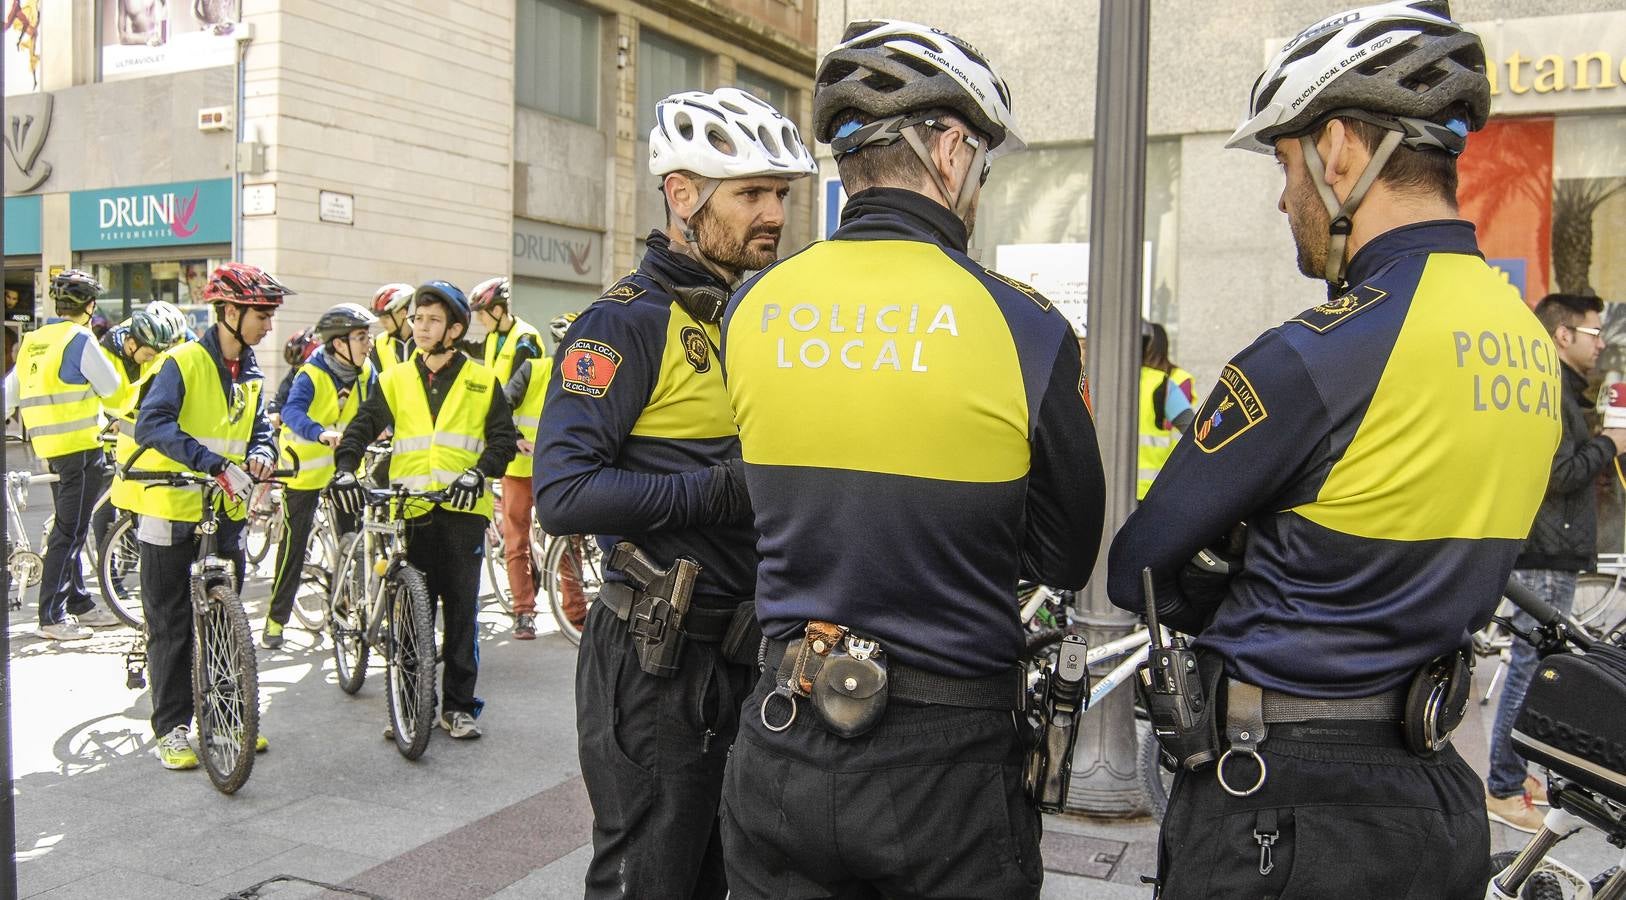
x: 460, y: 725
x: 97, y: 617
x: 271, y: 638
x: 174, y: 750
x: 1537, y: 789
x: 525, y: 627
x: 1516, y: 812
x: 68, y: 629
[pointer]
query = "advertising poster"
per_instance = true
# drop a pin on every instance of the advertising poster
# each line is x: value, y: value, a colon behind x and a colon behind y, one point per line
x: 22, y: 54
x: 148, y: 37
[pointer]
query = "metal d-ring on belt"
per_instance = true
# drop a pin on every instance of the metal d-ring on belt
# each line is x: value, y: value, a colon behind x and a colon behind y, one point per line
x: 1250, y: 710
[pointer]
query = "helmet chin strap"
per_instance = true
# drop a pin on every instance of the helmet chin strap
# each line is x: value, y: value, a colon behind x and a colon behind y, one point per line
x: 1342, y: 215
x: 235, y: 332
x: 691, y: 239
x: 959, y: 203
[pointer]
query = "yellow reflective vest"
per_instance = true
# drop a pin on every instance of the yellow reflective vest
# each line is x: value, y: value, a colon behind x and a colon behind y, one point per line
x: 1156, y: 444
x: 123, y: 406
x: 501, y: 361
x: 392, y: 351
x: 316, y: 458
x: 430, y: 453
x: 222, y: 424
x: 61, y: 418
x: 528, y: 412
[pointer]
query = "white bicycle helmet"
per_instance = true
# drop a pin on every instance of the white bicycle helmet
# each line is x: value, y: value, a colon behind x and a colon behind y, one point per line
x: 1403, y: 65
x: 165, y: 327
x: 886, y: 68
x: 727, y: 133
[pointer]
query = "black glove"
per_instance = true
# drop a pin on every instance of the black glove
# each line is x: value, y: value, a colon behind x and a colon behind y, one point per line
x: 729, y: 497
x: 347, y: 494
x: 466, y: 490
x: 1206, y: 579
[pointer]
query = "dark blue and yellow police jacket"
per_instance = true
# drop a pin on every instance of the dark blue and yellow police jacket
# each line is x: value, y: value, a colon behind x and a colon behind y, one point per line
x: 1388, y: 450
x: 636, y: 426
x: 916, y: 439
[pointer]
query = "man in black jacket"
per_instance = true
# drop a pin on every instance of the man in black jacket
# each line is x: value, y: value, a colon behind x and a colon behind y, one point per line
x: 1562, y: 542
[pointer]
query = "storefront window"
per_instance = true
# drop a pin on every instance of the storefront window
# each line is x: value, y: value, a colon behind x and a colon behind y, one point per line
x: 1033, y: 224
x: 132, y: 284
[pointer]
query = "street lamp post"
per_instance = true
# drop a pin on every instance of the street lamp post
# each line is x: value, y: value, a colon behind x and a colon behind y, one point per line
x: 1104, y: 781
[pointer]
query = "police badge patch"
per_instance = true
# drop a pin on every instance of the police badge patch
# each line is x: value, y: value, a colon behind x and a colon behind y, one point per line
x: 623, y: 292
x: 1233, y: 408
x: 696, y: 349
x: 1337, y: 311
x: 589, y: 367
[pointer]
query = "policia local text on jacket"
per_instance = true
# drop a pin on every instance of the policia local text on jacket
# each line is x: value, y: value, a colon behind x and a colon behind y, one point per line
x: 1387, y: 450
x: 916, y: 440
x: 199, y: 412
x: 445, y: 544
x: 633, y: 445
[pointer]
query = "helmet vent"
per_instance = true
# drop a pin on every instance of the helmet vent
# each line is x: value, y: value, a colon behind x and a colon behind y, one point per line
x: 1308, y: 49
x: 878, y: 81
x: 1385, y: 59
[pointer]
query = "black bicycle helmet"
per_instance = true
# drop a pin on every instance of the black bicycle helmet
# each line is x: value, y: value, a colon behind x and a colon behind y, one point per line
x: 343, y: 319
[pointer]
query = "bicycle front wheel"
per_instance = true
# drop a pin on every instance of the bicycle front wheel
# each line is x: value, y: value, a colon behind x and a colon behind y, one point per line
x: 316, y: 581
x: 497, y: 567
x: 411, y: 658
x: 265, y: 518
x: 225, y: 689
x: 347, y: 616
x: 118, y: 571
x: 572, y: 573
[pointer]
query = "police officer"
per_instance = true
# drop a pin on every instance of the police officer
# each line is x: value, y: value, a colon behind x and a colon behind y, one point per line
x: 637, y: 444
x: 512, y: 342
x: 916, y: 440
x: 1387, y: 450
x: 391, y: 303
x: 204, y: 412
x: 453, y: 432
x: 326, y: 392
x: 61, y: 375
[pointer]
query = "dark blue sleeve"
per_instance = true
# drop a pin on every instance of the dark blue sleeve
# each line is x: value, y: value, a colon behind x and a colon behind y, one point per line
x: 158, y: 423
x: 579, y: 490
x: 1258, y: 432
x: 295, y: 409
x: 1066, y: 488
x: 69, y: 371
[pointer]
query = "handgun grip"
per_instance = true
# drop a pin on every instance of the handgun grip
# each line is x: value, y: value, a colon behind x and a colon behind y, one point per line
x: 625, y: 557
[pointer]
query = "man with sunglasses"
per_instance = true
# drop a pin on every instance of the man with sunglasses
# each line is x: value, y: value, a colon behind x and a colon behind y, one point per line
x: 1562, y: 542
x: 323, y: 398
x: 203, y: 412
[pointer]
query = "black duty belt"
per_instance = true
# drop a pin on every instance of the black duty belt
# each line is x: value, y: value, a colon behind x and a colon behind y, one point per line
x: 1388, y: 706
x: 1005, y: 691
x: 702, y: 624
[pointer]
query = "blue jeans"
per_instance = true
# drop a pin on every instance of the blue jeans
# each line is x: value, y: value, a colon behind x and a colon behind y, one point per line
x: 1507, y: 768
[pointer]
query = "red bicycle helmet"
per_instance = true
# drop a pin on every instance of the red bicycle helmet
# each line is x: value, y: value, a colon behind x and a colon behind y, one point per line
x: 245, y: 285
x: 392, y: 297
x: 489, y: 293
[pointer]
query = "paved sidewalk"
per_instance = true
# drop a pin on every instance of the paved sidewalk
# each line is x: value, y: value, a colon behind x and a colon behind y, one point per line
x: 333, y: 803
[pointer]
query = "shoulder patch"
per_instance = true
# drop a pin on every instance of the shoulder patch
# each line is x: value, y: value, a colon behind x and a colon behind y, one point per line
x: 1324, y: 318
x: 624, y: 291
x: 588, y: 368
x: 1025, y: 290
x: 1232, y: 409
x: 696, y: 348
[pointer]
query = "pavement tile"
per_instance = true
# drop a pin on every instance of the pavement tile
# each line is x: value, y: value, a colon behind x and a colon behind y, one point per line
x: 354, y: 826
x: 118, y: 883
x: 310, y: 862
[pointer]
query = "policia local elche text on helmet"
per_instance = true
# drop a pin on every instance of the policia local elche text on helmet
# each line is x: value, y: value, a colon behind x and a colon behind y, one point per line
x: 708, y: 138
x: 1403, y: 66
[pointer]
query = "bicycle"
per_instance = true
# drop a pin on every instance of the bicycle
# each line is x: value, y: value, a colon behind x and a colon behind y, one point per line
x: 27, y: 565
x: 496, y: 561
x: 1528, y: 873
x: 379, y: 600
x: 572, y: 563
x: 225, y: 673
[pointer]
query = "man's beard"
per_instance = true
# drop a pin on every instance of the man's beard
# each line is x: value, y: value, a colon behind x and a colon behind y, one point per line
x: 731, y: 252
x: 1308, y: 220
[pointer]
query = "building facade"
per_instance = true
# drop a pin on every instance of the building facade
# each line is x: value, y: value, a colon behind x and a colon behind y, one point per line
x: 345, y: 145
x: 1545, y: 183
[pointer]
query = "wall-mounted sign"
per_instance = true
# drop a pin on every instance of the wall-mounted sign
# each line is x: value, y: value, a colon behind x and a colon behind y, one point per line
x: 154, y: 215
x: 28, y: 125
x: 332, y: 206
x: 558, y: 252
x: 147, y: 37
x: 259, y: 199
x: 23, y: 225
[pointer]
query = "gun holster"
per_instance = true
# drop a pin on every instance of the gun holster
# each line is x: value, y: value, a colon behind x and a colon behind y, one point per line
x: 1064, y: 696
x: 1180, y: 691
x: 660, y: 604
x: 1437, y: 702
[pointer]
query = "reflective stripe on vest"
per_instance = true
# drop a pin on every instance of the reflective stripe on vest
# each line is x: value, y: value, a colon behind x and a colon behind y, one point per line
x: 208, y: 416
x: 1156, y: 444
x: 528, y: 414
x: 431, y: 452
x: 316, y: 466
x: 61, y: 418
x: 501, y: 362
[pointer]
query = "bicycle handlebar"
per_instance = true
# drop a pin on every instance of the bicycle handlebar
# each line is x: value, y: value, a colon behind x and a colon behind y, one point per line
x: 1547, y: 615
x: 128, y: 475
